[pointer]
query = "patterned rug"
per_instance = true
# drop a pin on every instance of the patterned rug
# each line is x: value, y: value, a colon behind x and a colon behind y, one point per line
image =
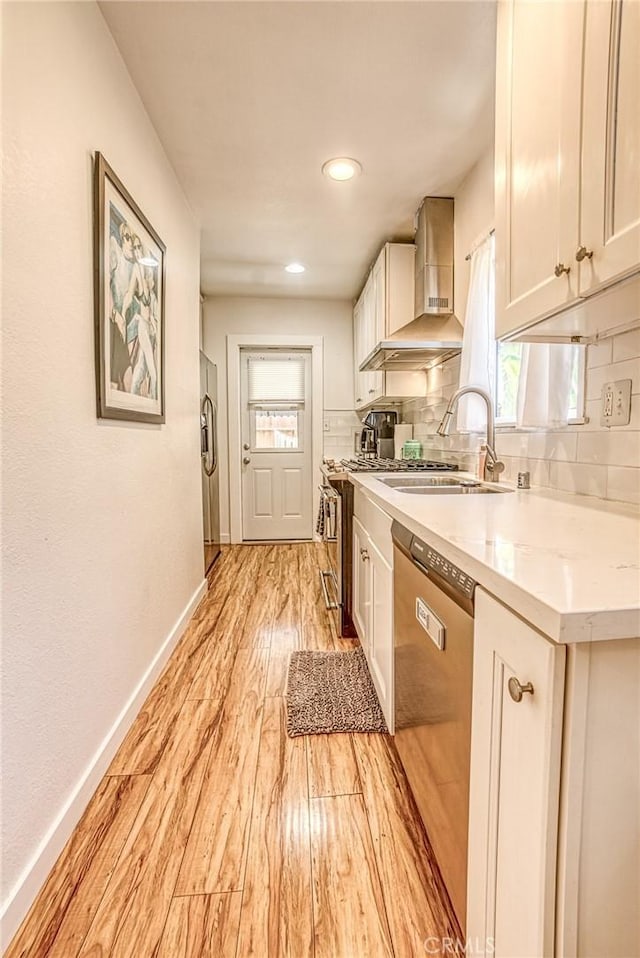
x: 331, y: 692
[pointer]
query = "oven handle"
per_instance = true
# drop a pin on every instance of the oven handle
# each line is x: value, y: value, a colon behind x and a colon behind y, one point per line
x: 327, y: 601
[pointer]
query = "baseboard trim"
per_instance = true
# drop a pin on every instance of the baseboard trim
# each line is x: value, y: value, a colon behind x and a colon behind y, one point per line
x: 22, y: 895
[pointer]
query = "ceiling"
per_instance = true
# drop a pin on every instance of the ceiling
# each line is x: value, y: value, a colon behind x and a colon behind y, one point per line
x: 250, y: 98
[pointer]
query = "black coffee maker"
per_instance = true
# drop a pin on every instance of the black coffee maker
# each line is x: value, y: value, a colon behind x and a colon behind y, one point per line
x: 376, y: 438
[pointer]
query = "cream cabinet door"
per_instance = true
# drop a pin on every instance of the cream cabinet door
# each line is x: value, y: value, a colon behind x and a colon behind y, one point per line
x: 380, y: 649
x: 359, y: 379
x: 515, y: 785
x: 374, y: 384
x: 361, y: 583
x: 538, y: 101
x: 379, y: 282
x: 610, y: 228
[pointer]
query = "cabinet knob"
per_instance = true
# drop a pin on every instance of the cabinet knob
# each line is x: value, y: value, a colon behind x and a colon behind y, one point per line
x: 561, y: 268
x: 371, y: 390
x: 364, y: 555
x: 583, y: 253
x: 246, y: 461
x: 516, y: 690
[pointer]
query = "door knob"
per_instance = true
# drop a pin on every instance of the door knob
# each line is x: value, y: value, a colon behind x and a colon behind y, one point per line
x: 246, y: 447
x: 516, y: 690
x: 561, y: 268
x: 583, y: 253
x: 246, y: 460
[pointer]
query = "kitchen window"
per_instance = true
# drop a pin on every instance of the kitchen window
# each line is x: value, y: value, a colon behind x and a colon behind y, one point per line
x: 508, y: 364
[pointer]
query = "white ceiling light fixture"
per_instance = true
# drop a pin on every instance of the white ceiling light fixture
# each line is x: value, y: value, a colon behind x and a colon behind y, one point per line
x: 295, y: 268
x: 341, y: 168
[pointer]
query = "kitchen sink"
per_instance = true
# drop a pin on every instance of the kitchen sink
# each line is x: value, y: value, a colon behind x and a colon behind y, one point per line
x: 440, y: 485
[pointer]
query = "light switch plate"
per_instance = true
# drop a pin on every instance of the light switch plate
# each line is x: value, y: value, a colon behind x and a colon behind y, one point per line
x: 616, y: 403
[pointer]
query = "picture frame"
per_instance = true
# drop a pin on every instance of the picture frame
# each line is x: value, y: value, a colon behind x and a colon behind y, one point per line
x: 129, y: 304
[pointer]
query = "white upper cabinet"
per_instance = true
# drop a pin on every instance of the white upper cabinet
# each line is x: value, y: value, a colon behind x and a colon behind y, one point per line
x: 610, y: 196
x: 567, y: 154
x: 384, y: 307
x: 537, y: 159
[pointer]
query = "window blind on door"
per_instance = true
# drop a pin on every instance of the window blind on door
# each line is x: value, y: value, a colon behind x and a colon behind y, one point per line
x: 276, y: 379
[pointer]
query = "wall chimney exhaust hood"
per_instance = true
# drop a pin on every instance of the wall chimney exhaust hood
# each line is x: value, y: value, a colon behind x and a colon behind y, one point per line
x: 435, y: 333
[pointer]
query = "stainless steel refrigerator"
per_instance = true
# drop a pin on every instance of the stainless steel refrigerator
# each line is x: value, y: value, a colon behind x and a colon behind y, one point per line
x: 209, y: 459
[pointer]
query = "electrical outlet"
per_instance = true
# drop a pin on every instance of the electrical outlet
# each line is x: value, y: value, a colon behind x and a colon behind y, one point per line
x: 616, y: 403
x: 326, y: 425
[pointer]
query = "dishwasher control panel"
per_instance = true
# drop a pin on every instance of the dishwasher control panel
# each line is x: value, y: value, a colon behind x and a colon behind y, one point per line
x: 429, y: 559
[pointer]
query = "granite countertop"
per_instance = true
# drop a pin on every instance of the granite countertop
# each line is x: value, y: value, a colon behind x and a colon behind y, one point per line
x: 568, y: 564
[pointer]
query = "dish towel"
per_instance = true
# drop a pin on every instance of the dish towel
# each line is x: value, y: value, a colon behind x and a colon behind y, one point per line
x: 320, y: 519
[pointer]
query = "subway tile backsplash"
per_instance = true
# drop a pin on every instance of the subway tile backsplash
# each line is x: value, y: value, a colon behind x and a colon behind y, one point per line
x: 339, y: 437
x: 586, y: 458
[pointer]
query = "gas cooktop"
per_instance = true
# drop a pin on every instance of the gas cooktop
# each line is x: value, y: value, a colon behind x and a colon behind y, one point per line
x: 396, y: 465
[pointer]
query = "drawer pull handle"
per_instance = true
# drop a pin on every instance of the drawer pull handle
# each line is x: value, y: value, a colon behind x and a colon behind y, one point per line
x: 560, y: 269
x: 516, y: 690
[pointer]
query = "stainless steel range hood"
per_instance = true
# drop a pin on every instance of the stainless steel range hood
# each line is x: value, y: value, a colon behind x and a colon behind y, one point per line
x: 396, y: 355
x: 435, y: 334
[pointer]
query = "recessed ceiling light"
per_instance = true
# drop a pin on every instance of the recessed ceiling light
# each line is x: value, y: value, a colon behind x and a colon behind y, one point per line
x: 341, y: 168
x: 294, y: 268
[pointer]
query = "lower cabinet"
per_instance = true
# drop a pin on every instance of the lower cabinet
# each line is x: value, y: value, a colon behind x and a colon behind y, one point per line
x: 518, y: 690
x: 554, y: 818
x: 361, y: 583
x: 373, y: 597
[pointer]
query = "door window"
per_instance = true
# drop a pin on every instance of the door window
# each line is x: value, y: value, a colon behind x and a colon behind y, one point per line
x: 275, y: 429
x: 276, y: 395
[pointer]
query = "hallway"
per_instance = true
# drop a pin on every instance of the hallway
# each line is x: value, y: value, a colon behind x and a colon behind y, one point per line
x: 214, y: 834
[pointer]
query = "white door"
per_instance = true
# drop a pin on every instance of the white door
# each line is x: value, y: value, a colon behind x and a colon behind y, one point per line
x: 276, y: 444
x: 610, y: 230
x: 361, y: 582
x: 381, y: 629
x: 537, y: 159
x: 518, y: 685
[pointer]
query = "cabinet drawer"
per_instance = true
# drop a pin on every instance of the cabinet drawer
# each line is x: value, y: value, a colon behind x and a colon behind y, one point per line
x: 376, y: 521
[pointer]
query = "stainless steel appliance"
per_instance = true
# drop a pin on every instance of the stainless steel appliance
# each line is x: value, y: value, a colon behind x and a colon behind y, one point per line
x: 433, y: 639
x: 209, y: 460
x: 378, y: 424
x: 435, y: 333
x: 363, y: 464
x: 330, y: 578
x: 337, y: 499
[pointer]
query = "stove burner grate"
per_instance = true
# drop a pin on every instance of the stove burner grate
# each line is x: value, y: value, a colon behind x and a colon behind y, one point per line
x: 397, y: 465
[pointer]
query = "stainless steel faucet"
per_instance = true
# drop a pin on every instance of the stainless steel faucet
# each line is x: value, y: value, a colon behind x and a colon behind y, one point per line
x: 492, y: 466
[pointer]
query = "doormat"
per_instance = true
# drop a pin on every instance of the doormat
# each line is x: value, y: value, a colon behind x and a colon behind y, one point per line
x: 331, y: 692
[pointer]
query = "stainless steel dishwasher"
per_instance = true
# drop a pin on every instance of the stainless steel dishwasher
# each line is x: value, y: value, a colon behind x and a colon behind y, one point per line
x: 433, y: 639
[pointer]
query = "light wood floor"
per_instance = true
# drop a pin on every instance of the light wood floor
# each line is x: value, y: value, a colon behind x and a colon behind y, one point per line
x: 214, y: 834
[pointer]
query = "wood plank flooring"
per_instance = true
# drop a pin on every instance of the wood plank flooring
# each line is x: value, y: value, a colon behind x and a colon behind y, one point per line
x: 214, y: 835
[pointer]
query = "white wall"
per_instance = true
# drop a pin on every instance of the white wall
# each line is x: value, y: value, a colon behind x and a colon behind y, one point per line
x: 225, y: 316
x: 585, y: 458
x: 474, y: 217
x: 102, y: 520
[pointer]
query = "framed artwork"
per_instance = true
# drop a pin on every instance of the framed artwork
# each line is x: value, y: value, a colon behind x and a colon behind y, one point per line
x: 129, y: 295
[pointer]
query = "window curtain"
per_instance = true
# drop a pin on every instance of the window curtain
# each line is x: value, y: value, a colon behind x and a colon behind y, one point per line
x: 478, y: 363
x: 544, y: 386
